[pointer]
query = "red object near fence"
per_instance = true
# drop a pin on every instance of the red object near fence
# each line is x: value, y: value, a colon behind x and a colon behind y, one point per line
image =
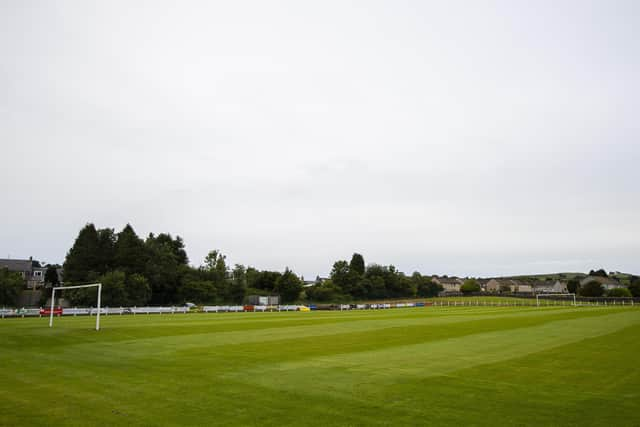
x: 248, y: 308
x: 47, y: 311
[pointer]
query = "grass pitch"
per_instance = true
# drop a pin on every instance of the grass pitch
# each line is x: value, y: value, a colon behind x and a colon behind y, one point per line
x: 425, y: 366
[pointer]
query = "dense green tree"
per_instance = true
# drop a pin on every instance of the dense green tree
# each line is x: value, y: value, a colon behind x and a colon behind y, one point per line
x: 619, y: 292
x: 634, y: 286
x: 263, y: 280
x: 598, y: 273
x: 341, y: 277
x: 106, y: 250
x: 288, y: 286
x: 469, y: 286
x: 199, y: 291
x: 175, y: 246
x: 114, y: 291
x: 11, y: 284
x: 51, y: 275
x: 325, y: 292
x: 165, y: 268
x: 130, y: 255
x: 215, y: 263
x: 357, y: 264
x: 238, y: 285
x: 592, y: 289
x: 573, y: 286
x: 138, y: 290
x: 426, y: 288
x: 83, y: 259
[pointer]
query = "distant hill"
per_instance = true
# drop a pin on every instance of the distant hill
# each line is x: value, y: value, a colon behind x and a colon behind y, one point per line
x: 621, y: 277
x: 550, y: 276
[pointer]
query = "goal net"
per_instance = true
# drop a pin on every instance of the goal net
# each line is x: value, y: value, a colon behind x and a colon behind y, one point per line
x: 565, y: 295
x: 62, y: 288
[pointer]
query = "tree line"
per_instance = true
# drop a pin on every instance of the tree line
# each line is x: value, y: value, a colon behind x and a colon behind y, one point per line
x: 354, y: 280
x: 156, y: 270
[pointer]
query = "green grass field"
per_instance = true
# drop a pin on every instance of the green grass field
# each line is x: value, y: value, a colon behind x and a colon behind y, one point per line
x: 425, y: 366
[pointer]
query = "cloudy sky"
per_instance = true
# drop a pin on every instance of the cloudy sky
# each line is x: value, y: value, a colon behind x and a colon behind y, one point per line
x: 457, y: 137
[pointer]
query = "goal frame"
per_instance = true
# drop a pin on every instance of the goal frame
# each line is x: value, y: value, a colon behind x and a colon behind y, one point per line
x: 565, y: 294
x: 61, y: 288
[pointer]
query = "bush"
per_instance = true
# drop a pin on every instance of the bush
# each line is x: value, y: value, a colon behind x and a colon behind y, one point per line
x: 469, y: 286
x: 592, y: 289
x: 619, y: 292
x: 11, y: 284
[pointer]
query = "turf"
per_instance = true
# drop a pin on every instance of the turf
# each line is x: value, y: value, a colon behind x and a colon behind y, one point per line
x: 423, y: 366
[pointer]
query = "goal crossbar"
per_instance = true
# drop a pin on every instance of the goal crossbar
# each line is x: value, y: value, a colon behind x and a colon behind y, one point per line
x: 556, y: 294
x: 61, y: 288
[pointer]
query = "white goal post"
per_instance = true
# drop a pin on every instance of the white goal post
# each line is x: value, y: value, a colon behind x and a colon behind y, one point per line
x: 559, y: 294
x: 61, y: 288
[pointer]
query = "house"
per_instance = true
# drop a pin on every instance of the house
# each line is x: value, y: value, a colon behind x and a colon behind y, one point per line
x: 549, y: 286
x: 450, y: 284
x: 522, y: 286
x: 33, y: 276
x: 607, y: 283
x: 498, y: 285
x: 509, y: 285
x: 483, y: 283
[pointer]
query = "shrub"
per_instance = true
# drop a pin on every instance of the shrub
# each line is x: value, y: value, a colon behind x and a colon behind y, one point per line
x: 619, y: 292
x: 592, y: 289
x: 469, y: 286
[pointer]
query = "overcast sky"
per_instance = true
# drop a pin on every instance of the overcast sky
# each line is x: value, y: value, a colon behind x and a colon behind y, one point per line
x: 467, y: 138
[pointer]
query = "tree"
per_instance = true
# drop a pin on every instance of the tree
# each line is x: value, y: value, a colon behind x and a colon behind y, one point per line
x: 165, y: 268
x: 592, y: 289
x: 426, y: 288
x: 288, y: 286
x: 573, y: 286
x: 216, y: 264
x: 619, y: 292
x: 340, y: 276
x: 11, y: 284
x: 138, y: 290
x: 130, y: 255
x: 262, y: 280
x: 325, y: 292
x: 598, y: 273
x: 114, y: 292
x: 106, y: 250
x: 634, y: 286
x: 51, y: 275
x: 238, y: 285
x: 198, y: 291
x: 357, y: 264
x: 469, y: 286
x: 82, y: 260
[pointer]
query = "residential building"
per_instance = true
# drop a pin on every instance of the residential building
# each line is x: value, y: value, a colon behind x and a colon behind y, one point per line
x: 450, y: 284
x: 606, y: 282
x: 33, y: 276
x: 549, y: 286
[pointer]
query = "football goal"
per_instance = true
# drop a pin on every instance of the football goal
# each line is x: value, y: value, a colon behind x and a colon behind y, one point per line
x: 62, y: 288
x: 556, y: 295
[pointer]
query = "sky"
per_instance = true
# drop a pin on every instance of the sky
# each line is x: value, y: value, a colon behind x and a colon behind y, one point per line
x: 470, y: 138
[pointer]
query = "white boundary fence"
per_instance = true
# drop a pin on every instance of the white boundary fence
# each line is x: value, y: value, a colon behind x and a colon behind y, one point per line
x: 471, y: 302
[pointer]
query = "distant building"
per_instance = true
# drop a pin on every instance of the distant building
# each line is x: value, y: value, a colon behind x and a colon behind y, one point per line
x: 607, y: 283
x: 450, y: 284
x: 549, y: 286
x: 509, y: 285
x: 33, y: 276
